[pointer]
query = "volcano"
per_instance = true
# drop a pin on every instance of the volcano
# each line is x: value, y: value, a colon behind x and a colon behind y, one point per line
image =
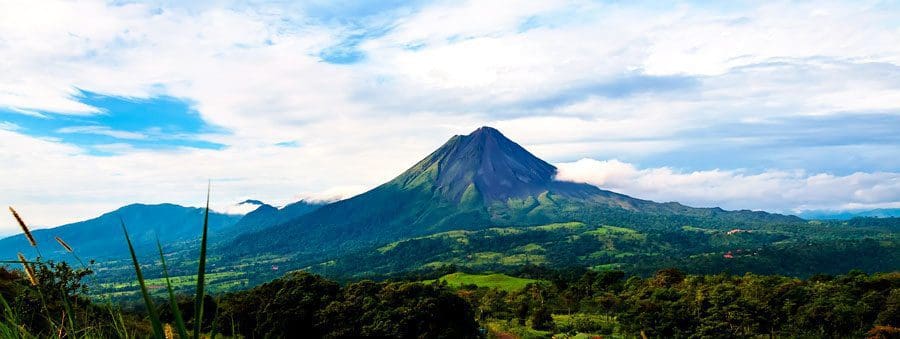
x: 485, y: 161
x: 488, y: 165
x: 472, y: 182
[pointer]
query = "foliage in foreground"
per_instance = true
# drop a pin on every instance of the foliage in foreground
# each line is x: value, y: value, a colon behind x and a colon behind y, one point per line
x: 34, y: 311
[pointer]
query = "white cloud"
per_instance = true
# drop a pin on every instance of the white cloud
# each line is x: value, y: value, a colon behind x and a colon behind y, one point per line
x: 530, y: 68
x: 773, y: 190
x: 53, y: 183
x: 241, y: 208
x: 8, y: 126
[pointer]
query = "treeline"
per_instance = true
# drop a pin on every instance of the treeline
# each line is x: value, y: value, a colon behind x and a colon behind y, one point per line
x: 297, y: 304
x: 667, y: 304
x: 302, y: 303
x: 671, y: 304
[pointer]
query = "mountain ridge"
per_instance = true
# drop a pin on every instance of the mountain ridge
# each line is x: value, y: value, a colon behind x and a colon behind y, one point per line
x: 267, y: 215
x: 850, y: 214
x: 471, y: 182
x: 100, y: 237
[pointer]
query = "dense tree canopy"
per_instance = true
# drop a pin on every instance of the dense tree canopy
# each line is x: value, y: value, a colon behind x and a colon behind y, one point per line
x: 673, y: 304
x: 668, y: 303
x: 309, y: 304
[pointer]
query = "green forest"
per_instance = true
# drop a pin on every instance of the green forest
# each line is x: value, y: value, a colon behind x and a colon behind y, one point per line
x: 554, y: 280
x: 539, y: 303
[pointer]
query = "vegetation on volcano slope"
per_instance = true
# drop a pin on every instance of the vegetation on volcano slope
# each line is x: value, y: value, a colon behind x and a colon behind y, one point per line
x: 802, y: 250
x: 392, y: 212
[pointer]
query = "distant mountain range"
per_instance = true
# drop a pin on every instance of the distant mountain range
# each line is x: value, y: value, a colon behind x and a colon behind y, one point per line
x: 102, y: 237
x: 482, y: 201
x: 845, y: 215
x: 175, y: 226
x: 267, y: 215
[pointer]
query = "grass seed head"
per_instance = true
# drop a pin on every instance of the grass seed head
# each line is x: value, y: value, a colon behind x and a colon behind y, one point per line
x: 24, y: 227
x: 64, y: 245
x: 28, y: 270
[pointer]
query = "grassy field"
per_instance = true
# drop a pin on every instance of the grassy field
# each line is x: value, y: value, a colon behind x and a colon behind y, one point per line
x: 500, y: 281
x: 177, y: 281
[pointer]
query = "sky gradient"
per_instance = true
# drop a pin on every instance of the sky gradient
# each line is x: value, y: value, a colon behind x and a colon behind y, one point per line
x: 783, y: 106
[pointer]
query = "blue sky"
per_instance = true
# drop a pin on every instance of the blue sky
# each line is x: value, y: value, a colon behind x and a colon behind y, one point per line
x: 153, y: 123
x: 781, y: 106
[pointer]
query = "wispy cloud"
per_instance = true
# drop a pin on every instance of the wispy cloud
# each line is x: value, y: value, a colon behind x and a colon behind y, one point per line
x: 102, y: 130
x: 9, y: 126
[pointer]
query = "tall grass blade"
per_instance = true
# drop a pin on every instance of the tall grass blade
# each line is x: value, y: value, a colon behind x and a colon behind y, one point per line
x: 6, y: 309
x: 71, y: 318
x: 10, y: 325
x: 154, y: 318
x: 215, y: 322
x: 173, y: 303
x: 114, y: 320
x: 121, y: 328
x: 201, y: 271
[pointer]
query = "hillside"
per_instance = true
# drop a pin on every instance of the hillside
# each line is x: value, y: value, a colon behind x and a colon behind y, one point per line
x: 797, y: 251
x: 474, y: 182
x: 267, y: 215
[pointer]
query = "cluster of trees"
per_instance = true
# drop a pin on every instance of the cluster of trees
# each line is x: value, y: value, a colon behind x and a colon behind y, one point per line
x: 309, y: 304
x: 296, y: 304
x: 673, y: 304
x: 669, y: 303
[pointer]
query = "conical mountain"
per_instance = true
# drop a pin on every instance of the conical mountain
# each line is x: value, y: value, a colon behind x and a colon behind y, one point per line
x: 485, y: 161
x: 472, y: 182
